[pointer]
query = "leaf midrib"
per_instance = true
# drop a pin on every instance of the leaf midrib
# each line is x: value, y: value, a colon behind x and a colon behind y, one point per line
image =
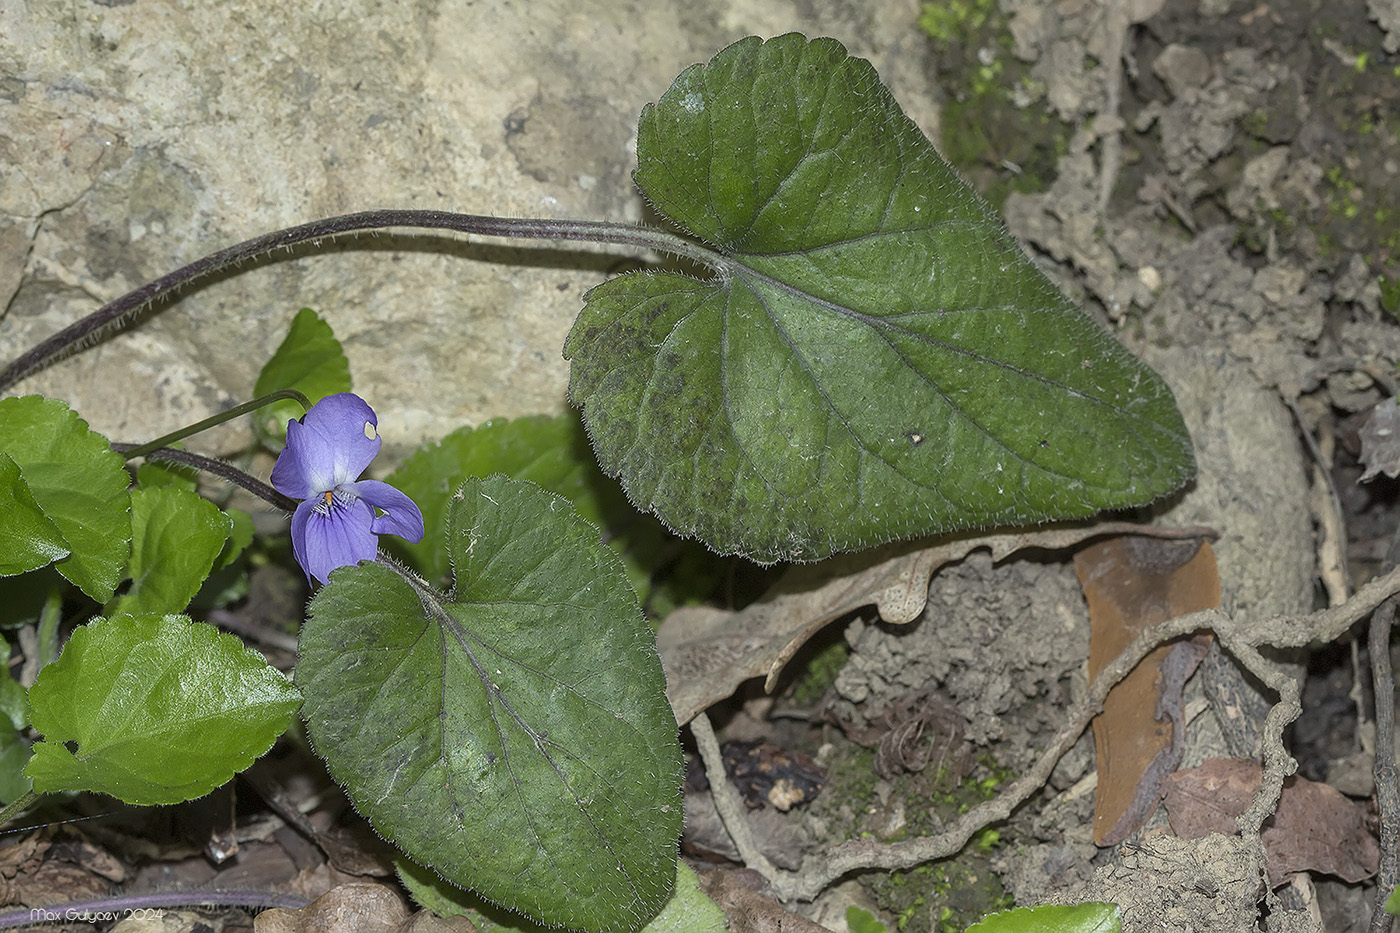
x: 446, y: 623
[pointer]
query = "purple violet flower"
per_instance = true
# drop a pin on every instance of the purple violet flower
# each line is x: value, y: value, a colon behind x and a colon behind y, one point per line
x: 336, y: 524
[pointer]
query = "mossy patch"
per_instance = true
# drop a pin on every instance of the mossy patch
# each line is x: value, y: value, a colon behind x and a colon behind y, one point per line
x: 943, y: 896
x: 995, y: 129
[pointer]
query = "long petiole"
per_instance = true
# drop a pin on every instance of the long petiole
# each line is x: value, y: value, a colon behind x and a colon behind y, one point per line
x: 220, y: 469
x: 118, y: 312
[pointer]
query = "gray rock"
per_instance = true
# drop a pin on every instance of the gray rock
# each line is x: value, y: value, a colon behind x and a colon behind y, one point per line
x: 138, y: 137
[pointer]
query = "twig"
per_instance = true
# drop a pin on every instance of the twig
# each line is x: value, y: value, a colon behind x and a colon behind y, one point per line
x: 727, y: 802
x: 250, y: 628
x: 1387, y: 789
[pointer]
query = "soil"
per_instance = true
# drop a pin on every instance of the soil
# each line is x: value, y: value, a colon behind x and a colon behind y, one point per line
x: 1218, y: 183
x: 1222, y: 194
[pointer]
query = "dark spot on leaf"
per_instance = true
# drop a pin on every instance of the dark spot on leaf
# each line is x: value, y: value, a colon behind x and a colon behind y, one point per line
x: 915, y: 438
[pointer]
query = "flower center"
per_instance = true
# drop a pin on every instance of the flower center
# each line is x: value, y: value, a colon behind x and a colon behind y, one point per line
x: 335, y: 499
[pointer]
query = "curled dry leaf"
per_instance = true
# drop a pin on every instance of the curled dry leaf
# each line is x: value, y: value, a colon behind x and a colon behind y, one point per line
x: 739, y: 894
x: 1133, y: 583
x: 708, y: 653
x: 1315, y: 828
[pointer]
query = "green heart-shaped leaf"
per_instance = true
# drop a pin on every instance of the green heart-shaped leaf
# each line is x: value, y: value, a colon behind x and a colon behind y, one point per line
x: 28, y: 539
x: 310, y: 360
x: 175, y: 536
x: 513, y: 736
x: 875, y: 358
x: 79, y: 483
x: 153, y: 710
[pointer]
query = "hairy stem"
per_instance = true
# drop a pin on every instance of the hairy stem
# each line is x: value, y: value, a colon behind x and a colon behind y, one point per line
x: 117, y: 313
x: 220, y: 469
x: 17, y: 806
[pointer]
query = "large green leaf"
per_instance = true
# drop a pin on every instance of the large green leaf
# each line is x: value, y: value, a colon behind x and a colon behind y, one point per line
x: 514, y: 736
x: 175, y: 536
x: 876, y: 357
x: 310, y: 360
x: 79, y: 483
x: 28, y: 540
x: 154, y: 709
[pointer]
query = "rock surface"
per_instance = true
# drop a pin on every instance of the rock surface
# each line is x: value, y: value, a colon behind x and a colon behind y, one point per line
x: 140, y: 135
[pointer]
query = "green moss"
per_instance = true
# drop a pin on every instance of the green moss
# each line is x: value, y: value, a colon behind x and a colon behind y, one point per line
x: 956, y: 19
x: 945, y: 896
x: 820, y: 673
x: 950, y: 894
x: 1390, y: 294
x: 995, y: 128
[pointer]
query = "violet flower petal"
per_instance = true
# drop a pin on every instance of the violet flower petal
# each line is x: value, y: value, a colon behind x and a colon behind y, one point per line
x: 295, y: 473
x: 350, y: 424
x: 299, y: 520
x: 335, y: 536
x: 329, y: 446
x: 401, y: 515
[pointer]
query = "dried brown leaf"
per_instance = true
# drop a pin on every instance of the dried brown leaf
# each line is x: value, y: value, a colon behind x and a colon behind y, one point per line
x: 708, y: 653
x: 738, y: 894
x: 1131, y: 584
x: 1314, y: 829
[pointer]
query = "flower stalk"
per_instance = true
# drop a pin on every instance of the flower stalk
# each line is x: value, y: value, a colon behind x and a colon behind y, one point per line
x: 140, y: 450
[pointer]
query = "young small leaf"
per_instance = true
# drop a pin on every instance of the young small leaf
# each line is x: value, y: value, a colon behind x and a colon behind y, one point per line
x: 310, y: 360
x: 1053, y: 918
x: 513, y: 736
x: 175, y: 536
x: 537, y: 449
x: 79, y: 483
x: 28, y: 540
x: 160, y: 709
x: 876, y: 357
x: 859, y: 920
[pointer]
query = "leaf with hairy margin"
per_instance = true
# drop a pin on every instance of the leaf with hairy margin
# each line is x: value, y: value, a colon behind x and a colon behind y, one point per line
x: 875, y: 358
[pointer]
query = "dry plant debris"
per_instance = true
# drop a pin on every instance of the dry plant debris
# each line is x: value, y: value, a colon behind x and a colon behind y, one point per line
x: 1131, y: 584
x: 1315, y: 828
